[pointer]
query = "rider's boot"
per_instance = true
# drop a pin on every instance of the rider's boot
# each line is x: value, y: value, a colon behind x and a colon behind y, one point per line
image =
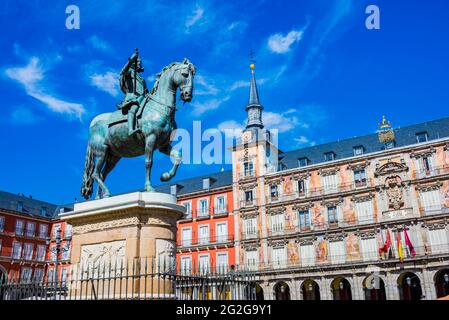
x: 131, y: 123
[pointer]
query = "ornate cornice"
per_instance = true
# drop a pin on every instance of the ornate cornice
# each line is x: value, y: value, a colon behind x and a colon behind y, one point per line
x: 306, y: 241
x: 367, y: 234
x: 436, y: 226
x: 358, y: 165
x: 429, y: 187
x: 301, y: 176
x: 249, y: 214
x: 363, y: 198
x: 251, y: 246
x: 421, y: 154
x: 277, y: 210
x: 303, y: 206
x: 328, y: 172
x: 332, y: 202
x: 336, y: 237
x: 390, y: 167
x: 277, y: 243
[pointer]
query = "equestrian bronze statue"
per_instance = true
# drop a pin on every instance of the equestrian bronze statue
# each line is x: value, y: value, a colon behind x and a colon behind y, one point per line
x: 143, y: 123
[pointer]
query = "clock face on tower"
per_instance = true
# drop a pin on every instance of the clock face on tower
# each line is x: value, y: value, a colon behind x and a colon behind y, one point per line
x: 246, y: 136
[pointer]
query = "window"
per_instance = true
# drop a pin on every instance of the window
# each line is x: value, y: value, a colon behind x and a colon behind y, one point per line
x: 204, y: 208
x: 360, y: 177
x: 279, y: 257
x: 56, y: 229
x: 53, y: 253
x: 302, y: 162
x: 304, y: 219
x: 249, y: 197
x: 220, y: 204
x: 16, y: 250
x: 38, y: 275
x: 68, y: 230
x: 274, y: 192
x: 301, y: 187
x: 173, y: 189
x: 64, y: 274
x: 51, y: 275
x: 358, y: 151
x: 28, y: 251
x: 203, y: 234
x: 203, y: 263
x: 337, y: 252
x: 43, y: 211
x: 248, y: 169
x: 41, y: 249
x: 19, y: 227
x: 222, y: 261
x: 422, y: 137
x: 188, y: 206
x: 206, y: 183
x: 66, y: 251
x: 250, y: 228
x: 186, y: 264
x: 439, y: 240
x: 222, y: 231
x: 277, y: 222
x: 25, y: 276
x: 31, y: 229
x: 43, y: 231
x: 186, y: 237
x: 2, y: 223
x: 389, y: 144
x: 364, y: 211
x: 307, y: 253
x: 251, y: 259
x: 330, y: 183
x: 431, y: 201
x: 332, y: 215
x: 368, y: 248
x: 20, y: 206
x: 329, y: 156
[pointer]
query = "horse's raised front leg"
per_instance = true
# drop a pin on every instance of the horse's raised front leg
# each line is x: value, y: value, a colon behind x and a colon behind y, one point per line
x: 149, y: 149
x: 176, y: 155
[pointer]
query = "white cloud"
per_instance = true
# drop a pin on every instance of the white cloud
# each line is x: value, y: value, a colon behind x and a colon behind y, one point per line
x: 202, y: 107
x: 99, y: 43
x: 31, y: 77
x: 206, y: 88
x: 197, y: 16
x: 107, y: 82
x: 303, y: 141
x: 279, y: 43
x: 245, y: 84
x: 230, y: 125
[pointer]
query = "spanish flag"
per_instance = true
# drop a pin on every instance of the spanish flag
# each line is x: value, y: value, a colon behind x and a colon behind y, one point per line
x: 400, y: 252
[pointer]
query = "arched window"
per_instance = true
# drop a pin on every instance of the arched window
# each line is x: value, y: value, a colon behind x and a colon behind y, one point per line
x: 310, y: 290
x: 341, y: 289
x: 281, y: 291
x: 409, y: 286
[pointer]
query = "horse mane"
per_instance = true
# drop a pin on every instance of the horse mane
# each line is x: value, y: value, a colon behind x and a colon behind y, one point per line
x: 165, y: 69
x: 159, y: 75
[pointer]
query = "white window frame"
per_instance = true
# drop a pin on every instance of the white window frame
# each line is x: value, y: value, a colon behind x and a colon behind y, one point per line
x: 186, y: 242
x: 30, y: 232
x: 307, y: 255
x: 252, y: 259
x: 201, y: 211
x: 220, y: 266
x: 14, y: 253
x: 20, y: 231
x: 250, y: 227
x: 337, y: 251
x: 203, y: 269
x: 28, y: 251
x: 279, y: 257
x: 277, y: 223
x: 369, y: 249
x: 41, y: 252
x: 185, y: 269
x: 220, y: 208
x: 43, y: 227
x: 188, y: 206
x: 364, y: 211
x: 2, y: 223
x: 221, y: 237
x: 201, y: 238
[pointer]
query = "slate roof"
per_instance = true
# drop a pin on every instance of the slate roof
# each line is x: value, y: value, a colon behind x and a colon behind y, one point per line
x: 404, y: 136
x: 31, y: 207
x: 186, y: 186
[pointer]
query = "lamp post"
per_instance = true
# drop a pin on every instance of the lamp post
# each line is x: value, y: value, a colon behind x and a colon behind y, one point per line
x: 57, y: 249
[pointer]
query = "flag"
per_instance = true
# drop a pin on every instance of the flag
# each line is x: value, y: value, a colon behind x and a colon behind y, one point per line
x: 387, y: 244
x: 409, y: 244
x: 400, y: 252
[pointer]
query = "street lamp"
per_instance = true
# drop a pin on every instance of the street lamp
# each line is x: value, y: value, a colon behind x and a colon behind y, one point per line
x: 341, y: 285
x: 446, y: 278
x: 57, y: 249
x: 409, y: 281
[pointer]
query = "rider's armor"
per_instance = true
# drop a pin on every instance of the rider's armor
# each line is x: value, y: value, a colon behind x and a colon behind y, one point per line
x: 135, y: 89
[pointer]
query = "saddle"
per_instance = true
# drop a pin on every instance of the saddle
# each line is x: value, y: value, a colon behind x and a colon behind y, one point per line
x: 121, y: 115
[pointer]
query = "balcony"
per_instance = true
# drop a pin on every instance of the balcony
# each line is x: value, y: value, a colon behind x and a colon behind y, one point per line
x: 249, y: 235
x: 436, y: 171
x: 202, y: 214
x: 434, y: 210
x: 221, y: 211
x: 397, y: 214
x: 247, y: 175
x: 208, y: 241
x: 332, y: 261
x: 248, y: 203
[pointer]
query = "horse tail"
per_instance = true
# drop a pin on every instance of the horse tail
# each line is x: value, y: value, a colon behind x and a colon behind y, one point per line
x: 88, y: 181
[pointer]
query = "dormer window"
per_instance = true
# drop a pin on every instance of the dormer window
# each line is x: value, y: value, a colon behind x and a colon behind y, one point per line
x: 422, y: 137
x: 329, y: 156
x: 206, y: 183
x: 20, y: 206
x: 358, y: 150
x: 389, y: 144
x: 173, y: 189
x: 302, y: 162
x: 43, y: 211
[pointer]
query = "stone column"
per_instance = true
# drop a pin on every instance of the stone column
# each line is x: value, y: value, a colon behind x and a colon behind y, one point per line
x: 132, y: 235
x: 391, y: 286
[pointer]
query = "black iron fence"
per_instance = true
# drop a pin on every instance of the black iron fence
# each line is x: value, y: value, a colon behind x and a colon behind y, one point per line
x: 139, y: 279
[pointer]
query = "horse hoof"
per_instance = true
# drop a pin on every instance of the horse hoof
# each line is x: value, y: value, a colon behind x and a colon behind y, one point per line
x: 165, y: 176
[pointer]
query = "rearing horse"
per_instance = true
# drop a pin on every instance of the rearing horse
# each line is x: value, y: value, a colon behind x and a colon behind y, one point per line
x: 108, y: 132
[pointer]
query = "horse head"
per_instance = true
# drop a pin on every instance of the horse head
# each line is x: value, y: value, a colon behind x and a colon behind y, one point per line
x: 183, y: 74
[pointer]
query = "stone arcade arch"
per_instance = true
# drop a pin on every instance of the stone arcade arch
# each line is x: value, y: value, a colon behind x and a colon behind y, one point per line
x: 409, y: 286
x: 441, y: 280
x: 310, y: 290
x: 259, y: 292
x: 281, y: 291
x: 375, y: 290
x: 341, y: 289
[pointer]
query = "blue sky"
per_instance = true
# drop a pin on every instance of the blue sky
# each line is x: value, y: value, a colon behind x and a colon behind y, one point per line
x: 322, y: 75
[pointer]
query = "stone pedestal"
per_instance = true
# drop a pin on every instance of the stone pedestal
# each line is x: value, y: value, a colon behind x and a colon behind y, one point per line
x: 130, y: 238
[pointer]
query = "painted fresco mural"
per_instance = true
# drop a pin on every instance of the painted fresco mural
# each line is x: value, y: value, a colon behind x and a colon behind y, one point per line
x: 352, y: 247
x: 445, y: 194
x: 348, y: 211
x: 292, y: 252
x: 321, y: 250
x: 287, y: 185
x: 318, y: 219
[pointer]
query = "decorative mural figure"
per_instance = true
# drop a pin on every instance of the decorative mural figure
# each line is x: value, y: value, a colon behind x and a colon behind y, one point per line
x: 446, y: 194
x: 289, y: 217
x: 348, y: 211
x: 352, y: 247
x: 321, y: 250
x: 288, y: 185
x: 292, y: 251
x: 394, y: 192
x: 318, y: 217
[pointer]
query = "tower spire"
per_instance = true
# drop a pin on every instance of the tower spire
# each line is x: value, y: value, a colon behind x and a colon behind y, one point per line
x: 254, y: 108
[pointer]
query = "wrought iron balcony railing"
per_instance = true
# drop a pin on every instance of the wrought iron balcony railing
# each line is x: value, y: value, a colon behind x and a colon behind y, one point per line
x: 205, y: 241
